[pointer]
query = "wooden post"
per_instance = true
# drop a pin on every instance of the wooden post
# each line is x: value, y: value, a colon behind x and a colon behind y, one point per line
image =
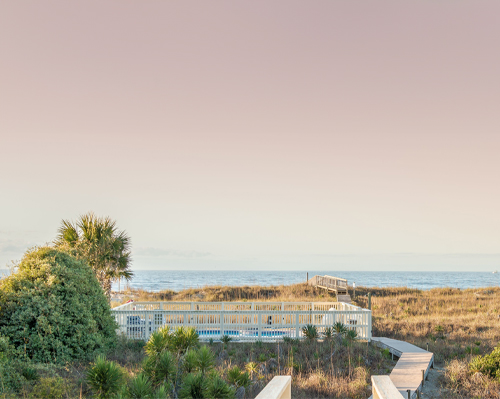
x: 307, y: 277
x: 370, y: 301
x: 423, y: 377
x: 409, y: 393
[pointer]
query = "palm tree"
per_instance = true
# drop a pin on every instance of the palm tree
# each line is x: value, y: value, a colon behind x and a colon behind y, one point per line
x: 340, y: 330
x: 350, y: 336
x: 97, y: 240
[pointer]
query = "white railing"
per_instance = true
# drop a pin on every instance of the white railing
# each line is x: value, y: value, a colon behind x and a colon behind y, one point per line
x: 243, y: 321
x: 384, y: 388
x: 280, y: 387
x: 331, y: 282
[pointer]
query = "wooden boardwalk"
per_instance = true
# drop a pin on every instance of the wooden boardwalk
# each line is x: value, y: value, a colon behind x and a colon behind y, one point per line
x: 407, y: 374
x: 330, y: 283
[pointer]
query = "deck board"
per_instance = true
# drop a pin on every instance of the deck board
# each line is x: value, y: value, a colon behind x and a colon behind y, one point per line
x: 407, y: 374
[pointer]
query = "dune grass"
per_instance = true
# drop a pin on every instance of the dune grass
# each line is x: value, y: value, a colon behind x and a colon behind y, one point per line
x: 456, y: 325
x: 219, y: 293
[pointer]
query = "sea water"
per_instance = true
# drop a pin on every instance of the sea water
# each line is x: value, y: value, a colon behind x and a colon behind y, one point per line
x: 158, y: 280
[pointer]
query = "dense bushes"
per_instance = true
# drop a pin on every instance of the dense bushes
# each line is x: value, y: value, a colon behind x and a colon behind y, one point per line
x: 53, y: 309
x: 488, y: 364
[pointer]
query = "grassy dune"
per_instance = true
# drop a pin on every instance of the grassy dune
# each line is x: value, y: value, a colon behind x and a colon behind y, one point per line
x: 295, y: 292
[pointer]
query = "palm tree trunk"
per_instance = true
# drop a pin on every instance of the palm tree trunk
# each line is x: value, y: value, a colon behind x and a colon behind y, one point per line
x: 106, y: 286
x: 105, y: 283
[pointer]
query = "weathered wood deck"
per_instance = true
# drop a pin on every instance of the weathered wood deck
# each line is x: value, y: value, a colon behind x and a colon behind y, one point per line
x: 330, y: 283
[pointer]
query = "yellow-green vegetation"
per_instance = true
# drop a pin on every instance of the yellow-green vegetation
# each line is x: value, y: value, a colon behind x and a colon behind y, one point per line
x: 292, y: 293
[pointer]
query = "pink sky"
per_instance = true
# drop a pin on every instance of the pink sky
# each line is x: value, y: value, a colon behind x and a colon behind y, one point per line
x: 256, y: 134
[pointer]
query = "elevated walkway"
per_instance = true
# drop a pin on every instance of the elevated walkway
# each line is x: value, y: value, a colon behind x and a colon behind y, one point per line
x: 407, y: 374
x: 330, y: 283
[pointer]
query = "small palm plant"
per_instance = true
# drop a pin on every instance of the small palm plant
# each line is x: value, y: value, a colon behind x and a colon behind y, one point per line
x: 193, y: 387
x: 310, y: 332
x: 328, y: 333
x: 252, y: 368
x: 140, y: 387
x: 105, y: 378
x: 238, y: 378
x: 340, y: 330
x: 350, y: 337
x: 160, y: 368
x: 184, y: 338
x: 190, y: 361
x: 226, y: 339
x: 205, y: 359
x: 158, y: 341
x: 216, y: 387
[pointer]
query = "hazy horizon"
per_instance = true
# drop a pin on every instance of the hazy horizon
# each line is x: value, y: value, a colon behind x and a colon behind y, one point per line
x: 256, y: 135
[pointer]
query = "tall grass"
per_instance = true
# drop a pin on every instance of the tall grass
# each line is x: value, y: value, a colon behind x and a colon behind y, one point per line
x: 219, y: 293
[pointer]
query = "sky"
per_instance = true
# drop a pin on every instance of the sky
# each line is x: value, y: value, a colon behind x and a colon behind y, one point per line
x: 256, y: 134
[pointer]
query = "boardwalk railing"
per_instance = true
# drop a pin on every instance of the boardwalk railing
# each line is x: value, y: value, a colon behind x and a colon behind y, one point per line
x: 280, y: 387
x: 329, y: 282
x: 245, y: 321
x: 384, y: 388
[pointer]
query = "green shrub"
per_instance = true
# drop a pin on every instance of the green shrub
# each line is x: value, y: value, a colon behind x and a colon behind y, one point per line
x: 30, y: 373
x: 233, y: 375
x: 205, y: 359
x: 50, y: 388
x: 160, y: 368
x: 310, y: 331
x: 140, y: 387
x: 226, y: 339
x: 105, y: 378
x: 53, y: 309
x: 339, y: 328
x: 488, y: 364
x: 10, y: 377
x: 159, y: 341
x: 238, y: 378
x: 328, y: 333
x: 161, y: 392
x: 184, y: 338
x: 190, y: 361
x: 193, y: 387
x: 217, y: 388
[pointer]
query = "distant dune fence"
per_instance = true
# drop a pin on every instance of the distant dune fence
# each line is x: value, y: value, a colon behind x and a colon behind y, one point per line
x: 242, y: 321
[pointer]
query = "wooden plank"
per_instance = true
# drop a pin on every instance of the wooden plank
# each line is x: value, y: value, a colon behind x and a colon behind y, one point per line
x: 280, y: 387
x: 384, y: 388
x: 407, y: 374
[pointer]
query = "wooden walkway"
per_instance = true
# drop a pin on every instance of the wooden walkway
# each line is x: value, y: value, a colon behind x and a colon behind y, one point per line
x: 407, y: 374
x: 330, y: 283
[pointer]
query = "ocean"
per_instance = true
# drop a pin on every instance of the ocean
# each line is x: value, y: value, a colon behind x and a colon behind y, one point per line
x: 157, y: 280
